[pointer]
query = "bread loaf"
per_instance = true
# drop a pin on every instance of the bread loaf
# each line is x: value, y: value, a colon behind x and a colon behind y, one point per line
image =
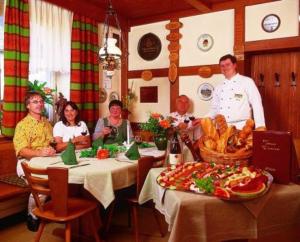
x: 209, y: 128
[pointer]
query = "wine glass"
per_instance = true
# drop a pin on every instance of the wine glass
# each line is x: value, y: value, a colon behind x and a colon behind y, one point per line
x: 186, y: 121
x: 53, y: 144
x: 138, y: 139
x: 84, y: 132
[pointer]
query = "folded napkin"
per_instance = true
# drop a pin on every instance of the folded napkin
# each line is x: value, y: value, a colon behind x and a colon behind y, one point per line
x: 133, y: 152
x: 97, y: 143
x: 68, y: 156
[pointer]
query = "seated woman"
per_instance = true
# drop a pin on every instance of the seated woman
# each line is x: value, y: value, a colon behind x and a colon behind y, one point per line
x: 71, y: 128
x: 113, y: 129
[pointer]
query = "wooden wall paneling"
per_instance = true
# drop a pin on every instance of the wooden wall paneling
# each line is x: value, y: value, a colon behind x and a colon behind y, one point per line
x: 174, y: 88
x: 239, y: 32
x: 295, y: 95
x: 272, y: 45
x: 124, y: 68
x: 162, y: 72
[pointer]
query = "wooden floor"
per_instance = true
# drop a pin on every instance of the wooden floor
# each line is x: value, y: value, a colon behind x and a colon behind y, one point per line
x: 14, y: 229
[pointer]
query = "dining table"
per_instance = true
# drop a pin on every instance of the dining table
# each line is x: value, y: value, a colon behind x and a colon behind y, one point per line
x: 101, y: 177
x: 205, y: 218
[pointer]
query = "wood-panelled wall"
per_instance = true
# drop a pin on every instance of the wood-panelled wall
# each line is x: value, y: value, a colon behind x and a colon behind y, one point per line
x: 281, y: 94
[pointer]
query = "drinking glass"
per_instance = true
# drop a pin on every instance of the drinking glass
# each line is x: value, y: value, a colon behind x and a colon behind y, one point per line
x: 84, y: 132
x: 53, y: 144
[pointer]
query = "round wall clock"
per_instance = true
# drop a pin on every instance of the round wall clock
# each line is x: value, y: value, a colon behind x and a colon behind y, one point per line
x: 149, y: 47
x: 270, y: 23
x: 205, y: 42
x: 205, y: 91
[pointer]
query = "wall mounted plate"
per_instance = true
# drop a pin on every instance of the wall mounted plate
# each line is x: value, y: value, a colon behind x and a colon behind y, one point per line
x: 102, y: 95
x: 205, y: 91
x: 147, y: 75
x: 149, y: 47
x: 205, y: 42
x: 114, y: 96
x: 270, y: 23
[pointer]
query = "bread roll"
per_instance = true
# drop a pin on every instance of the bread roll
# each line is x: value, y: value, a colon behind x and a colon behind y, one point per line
x: 209, y: 128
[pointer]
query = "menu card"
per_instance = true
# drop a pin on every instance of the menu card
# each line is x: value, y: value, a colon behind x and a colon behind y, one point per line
x: 272, y: 151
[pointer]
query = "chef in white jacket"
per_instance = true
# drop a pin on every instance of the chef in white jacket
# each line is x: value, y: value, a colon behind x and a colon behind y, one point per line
x: 237, y: 97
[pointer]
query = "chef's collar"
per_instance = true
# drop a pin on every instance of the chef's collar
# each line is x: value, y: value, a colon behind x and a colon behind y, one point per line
x: 233, y: 79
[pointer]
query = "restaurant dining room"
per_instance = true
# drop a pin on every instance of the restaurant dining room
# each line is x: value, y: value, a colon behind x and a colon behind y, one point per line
x: 150, y: 120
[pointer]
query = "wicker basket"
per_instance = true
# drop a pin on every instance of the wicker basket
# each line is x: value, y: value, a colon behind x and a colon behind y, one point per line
x: 224, y: 158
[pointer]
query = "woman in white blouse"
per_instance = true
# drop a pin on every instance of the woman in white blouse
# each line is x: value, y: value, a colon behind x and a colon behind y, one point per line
x: 71, y: 128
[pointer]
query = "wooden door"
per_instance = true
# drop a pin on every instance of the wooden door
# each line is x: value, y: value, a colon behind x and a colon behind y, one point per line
x: 281, y: 97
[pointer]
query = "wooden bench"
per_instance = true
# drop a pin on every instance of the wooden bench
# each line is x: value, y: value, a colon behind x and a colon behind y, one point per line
x: 13, y: 198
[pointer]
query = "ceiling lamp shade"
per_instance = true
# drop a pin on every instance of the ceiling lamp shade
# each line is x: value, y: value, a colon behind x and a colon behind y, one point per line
x: 109, y: 54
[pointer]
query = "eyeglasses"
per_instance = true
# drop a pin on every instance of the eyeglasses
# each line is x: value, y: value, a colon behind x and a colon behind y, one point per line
x: 37, y: 101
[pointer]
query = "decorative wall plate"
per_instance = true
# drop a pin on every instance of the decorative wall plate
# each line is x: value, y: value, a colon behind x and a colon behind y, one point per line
x: 114, y: 96
x: 146, y: 75
x: 102, y: 95
x: 149, y: 47
x: 173, y: 25
x: 205, y: 91
x: 205, y: 71
x: 173, y: 56
x: 270, y: 23
x: 174, y: 36
x: 172, y: 73
x: 205, y: 42
x: 174, y: 47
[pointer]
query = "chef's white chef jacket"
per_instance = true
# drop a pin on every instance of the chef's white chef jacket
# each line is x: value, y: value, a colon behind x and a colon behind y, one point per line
x: 236, y: 99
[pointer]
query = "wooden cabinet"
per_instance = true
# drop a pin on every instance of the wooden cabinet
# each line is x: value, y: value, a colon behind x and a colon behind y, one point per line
x: 279, y: 88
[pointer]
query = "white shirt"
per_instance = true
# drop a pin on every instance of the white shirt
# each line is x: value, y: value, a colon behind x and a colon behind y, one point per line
x: 68, y: 132
x: 236, y: 99
x: 178, y: 118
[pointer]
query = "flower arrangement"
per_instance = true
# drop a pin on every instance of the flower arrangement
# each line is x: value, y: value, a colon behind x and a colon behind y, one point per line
x: 157, y: 124
x: 46, y: 92
x: 128, y: 99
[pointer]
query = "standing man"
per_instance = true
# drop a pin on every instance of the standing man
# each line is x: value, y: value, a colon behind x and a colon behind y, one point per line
x: 237, y: 97
x: 32, y: 137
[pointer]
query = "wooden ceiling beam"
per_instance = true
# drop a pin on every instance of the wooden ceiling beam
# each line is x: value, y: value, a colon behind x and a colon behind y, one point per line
x: 202, y: 6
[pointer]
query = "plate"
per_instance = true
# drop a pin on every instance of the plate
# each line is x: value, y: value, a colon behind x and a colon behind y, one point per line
x: 113, y: 96
x: 219, y: 180
x: 205, y: 42
x: 149, y: 47
x: 205, y: 91
x: 102, y: 95
x: 270, y: 23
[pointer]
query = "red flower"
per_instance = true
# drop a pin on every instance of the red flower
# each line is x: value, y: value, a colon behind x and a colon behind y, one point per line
x: 165, y: 124
x: 155, y: 115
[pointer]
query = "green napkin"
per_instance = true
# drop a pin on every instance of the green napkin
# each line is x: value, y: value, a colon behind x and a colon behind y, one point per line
x: 68, y: 156
x: 133, y: 152
x: 97, y: 143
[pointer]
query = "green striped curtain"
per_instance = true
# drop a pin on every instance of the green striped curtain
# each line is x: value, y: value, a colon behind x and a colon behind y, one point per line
x: 85, y: 68
x: 16, y: 63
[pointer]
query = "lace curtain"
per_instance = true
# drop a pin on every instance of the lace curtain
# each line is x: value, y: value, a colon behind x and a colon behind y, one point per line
x: 50, y: 47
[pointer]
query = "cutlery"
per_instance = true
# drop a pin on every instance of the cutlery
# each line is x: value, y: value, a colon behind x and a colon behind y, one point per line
x: 79, y: 165
x: 55, y: 163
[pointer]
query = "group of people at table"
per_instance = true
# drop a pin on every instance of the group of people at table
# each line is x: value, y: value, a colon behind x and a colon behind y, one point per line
x: 237, y: 98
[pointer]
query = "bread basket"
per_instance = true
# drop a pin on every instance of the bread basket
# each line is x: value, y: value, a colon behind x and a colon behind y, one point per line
x: 209, y: 155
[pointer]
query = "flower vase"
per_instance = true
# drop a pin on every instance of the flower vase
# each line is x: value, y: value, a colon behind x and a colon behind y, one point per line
x: 161, y: 142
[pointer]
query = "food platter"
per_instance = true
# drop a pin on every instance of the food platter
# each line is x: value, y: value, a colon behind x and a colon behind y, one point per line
x: 227, y: 182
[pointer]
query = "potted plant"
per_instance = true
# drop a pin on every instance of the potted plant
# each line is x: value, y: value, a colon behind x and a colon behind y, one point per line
x: 160, y: 126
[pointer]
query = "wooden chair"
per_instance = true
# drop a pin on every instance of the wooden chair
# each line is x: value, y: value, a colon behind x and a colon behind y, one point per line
x: 144, y: 165
x: 53, y: 182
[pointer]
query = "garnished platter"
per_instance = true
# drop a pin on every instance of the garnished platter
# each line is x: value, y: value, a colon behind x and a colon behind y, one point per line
x: 228, y: 182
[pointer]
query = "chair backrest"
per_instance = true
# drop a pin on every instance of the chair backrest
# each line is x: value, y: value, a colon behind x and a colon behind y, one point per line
x: 144, y: 165
x: 52, y: 182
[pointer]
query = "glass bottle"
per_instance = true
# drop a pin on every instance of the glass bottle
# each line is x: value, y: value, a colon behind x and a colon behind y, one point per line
x: 175, y: 152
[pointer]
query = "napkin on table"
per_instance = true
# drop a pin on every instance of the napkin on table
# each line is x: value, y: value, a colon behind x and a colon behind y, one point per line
x: 133, y: 152
x: 97, y: 143
x: 68, y: 156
